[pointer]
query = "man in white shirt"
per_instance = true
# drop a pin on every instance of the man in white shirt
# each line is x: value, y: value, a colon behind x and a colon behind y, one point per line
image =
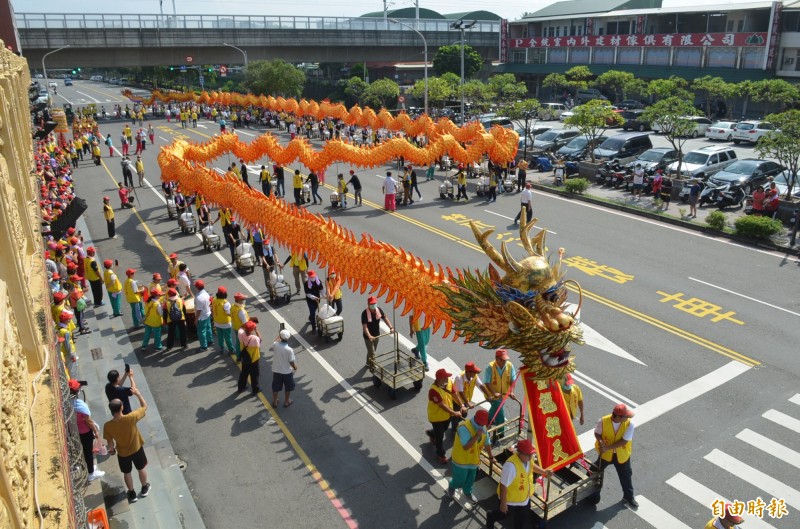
x: 283, y: 368
x: 202, y: 314
x: 614, y: 435
x: 389, y: 190
x: 638, y: 181
x: 525, y: 199
x: 184, y: 285
x: 515, y: 488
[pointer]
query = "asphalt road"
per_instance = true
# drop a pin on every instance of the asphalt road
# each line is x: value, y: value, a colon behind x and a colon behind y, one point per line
x: 698, y: 334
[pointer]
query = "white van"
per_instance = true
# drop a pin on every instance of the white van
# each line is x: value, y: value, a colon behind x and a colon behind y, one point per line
x: 98, y: 78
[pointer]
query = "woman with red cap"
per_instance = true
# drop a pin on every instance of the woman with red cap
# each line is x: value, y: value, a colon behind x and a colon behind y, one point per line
x: 221, y: 312
x: 371, y: 325
x: 729, y: 521
x: 313, y: 289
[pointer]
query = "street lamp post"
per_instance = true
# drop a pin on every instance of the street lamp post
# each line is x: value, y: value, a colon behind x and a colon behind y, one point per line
x: 459, y: 25
x: 243, y: 52
x: 44, y: 68
x: 425, y: 45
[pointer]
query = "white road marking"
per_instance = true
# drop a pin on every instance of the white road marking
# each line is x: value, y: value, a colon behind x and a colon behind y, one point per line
x: 745, y: 297
x: 512, y: 218
x: 90, y: 97
x: 163, y: 138
x: 607, y: 392
x: 597, y: 340
x: 706, y: 497
x: 237, y: 131
x: 598, y: 525
x: 755, y: 477
x: 669, y: 401
x: 782, y: 419
x: 795, y: 399
x: 769, y: 446
x: 656, y: 516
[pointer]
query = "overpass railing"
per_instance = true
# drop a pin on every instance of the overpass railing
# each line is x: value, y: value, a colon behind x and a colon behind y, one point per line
x: 103, y: 21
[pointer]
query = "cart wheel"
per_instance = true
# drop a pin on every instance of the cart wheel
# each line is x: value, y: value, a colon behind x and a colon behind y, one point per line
x: 376, y: 381
x: 392, y: 393
x: 339, y: 337
x: 327, y: 339
x: 252, y: 269
x: 319, y: 332
x: 418, y: 385
x: 286, y: 298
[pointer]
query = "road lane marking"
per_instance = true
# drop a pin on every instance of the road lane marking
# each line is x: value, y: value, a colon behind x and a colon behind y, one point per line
x: 598, y: 341
x: 782, y: 419
x: 656, y: 516
x: 745, y: 297
x: 785, y: 454
x: 597, y: 386
x: 755, y: 477
x: 90, y: 97
x: 706, y: 497
x: 667, y: 402
x: 795, y: 399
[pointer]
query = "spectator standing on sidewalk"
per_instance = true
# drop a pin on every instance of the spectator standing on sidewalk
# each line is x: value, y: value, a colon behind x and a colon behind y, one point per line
x: 124, y: 439
x: 114, y: 288
x: 202, y: 315
x: 114, y: 389
x: 283, y: 369
x: 87, y: 430
x: 108, y: 214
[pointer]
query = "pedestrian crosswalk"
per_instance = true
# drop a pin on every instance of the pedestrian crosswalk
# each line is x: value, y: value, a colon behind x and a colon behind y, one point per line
x: 761, y: 450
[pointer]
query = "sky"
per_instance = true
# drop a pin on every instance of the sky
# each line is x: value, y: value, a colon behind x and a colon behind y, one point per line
x: 510, y: 9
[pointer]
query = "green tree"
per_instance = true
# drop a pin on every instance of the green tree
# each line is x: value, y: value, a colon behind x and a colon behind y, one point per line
x: 556, y: 82
x: 672, y: 113
x: 710, y: 88
x: 359, y: 70
x: 380, y: 93
x: 672, y: 87
x: 448, y: 59
x: 507, y: 89
x: 776, y: 91
x: 579, y: 77
x: 331, y: 70
x: 615, y: 82
x: 527, y: 112
x: 592, y: 118
x: 479, y: 95
x: 635, y: 88
x: 746, y: 90
x: 439, y: 91
x: 276, y: 78
x: 783, y: 144
x: 354, y: 88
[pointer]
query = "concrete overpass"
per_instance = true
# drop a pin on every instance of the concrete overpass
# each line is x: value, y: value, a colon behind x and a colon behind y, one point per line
x: 155, y: 40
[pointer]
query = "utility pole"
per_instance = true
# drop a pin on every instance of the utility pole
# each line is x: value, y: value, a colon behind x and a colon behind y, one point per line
x: 459, y: 25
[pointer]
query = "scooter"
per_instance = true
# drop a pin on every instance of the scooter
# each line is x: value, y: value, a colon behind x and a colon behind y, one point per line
x: 732, y: 197
x: 610, y: 174
x: 710, y: 194
x: 570, y: 169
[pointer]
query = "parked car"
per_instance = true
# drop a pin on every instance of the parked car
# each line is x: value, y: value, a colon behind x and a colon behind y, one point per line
x: 553, y: 139
x: 704, y: 162
x: 701, y: 124
x: 550, y: 111
x: 531, y: 136
x: 633, y: 121
x: 587, y: 94
x: 748, y: 173
x: 579, y: 147
x: 499, y: 120
x: 721, y: 130
x: 624, y: 145
x: 630, y: 104
x: 656, y: 158
x: 751, y: 131
x: 96, y: 78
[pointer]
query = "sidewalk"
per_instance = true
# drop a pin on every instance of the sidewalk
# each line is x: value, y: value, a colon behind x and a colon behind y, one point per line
x: 170, y: 504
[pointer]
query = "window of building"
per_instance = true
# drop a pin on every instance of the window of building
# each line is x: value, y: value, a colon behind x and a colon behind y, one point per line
x: 629, y: 55
x: 721, y: 58
x: 791, y: 21
x: 557, y: 56
x: 752, y: 58
x: 656, y: 56
x: 518, y: 56
x: 551, y: 31
x: 579, y: 55
x: 537, y: 56
x: 688, y: 57
x: 611, y: 28
x: 624, y: 28
x: 603, y: 56
x: 717, y: 22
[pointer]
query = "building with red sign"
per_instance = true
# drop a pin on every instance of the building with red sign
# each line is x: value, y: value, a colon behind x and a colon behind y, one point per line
x: 655, y: 39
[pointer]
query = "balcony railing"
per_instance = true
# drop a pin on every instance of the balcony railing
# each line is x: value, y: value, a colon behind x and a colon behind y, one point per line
x: 101, y: 21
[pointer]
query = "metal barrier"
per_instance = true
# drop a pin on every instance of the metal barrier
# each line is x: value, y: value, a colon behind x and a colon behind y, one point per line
x: 103, y: 21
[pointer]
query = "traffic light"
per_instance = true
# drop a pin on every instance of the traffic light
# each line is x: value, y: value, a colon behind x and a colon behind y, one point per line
x: 210, y: 70
x: 74, y: 72
x: 79, y: 69
x: 171, y: 68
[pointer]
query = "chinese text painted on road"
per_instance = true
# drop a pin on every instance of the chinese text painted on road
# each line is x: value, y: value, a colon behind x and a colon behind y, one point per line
x: 698, y: 307
x: 593, y: 268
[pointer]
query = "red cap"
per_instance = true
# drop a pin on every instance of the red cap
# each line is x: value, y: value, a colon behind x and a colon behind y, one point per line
x: 73, y: 240
x: 59, y: 297
x: 155, y: 293
x: 621, y: 410
x: 239, y: 295
x: 352, y: 172
x: 173, y: 256
x: 199, y: 284
x: 74, y: 278
x: 733, y: 518
x: 130, y: 271
x: 56, y: 276
x: 372, y: 299
x: 312, y: 273
x: 481, y: 417
x: 172, y: 282
x: 65, y: 316
x: 74, y: 385
x: 172, y: 292
x: 72, y: 266
x: 442, y: 373
x: 525, y: 447
x: 501, y: 353
x: 156, y: 277
x: 106, y: 199
x: 90, y: 250
x: 249, y: 326
x: 70, y: 231
x: 471, y: 368
x: 222, y: 290
x: 108, y: 263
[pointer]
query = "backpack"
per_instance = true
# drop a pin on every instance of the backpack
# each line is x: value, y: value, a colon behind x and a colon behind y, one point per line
x: 175, y: 312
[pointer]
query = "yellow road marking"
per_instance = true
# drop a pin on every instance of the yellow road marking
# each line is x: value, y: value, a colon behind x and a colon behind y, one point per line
x: 681, y: 333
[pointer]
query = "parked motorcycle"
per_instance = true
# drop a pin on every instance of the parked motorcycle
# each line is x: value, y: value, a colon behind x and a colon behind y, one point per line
x: 711, y: 193
x: 732, y: 197
x: 610, y: 174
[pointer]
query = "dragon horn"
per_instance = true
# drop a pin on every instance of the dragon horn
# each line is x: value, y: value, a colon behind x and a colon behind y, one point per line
x: 490, y: 250
x: 538, y: 242
x: 524, y: 229
x: 511, y: 263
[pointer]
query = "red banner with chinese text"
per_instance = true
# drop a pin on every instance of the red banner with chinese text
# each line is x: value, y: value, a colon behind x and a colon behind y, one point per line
x: 679, y: 40
x: 554, y: 434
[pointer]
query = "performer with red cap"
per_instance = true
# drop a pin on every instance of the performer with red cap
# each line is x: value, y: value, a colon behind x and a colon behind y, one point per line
x: 176, y: 319
x: 133, y: 294
x: 251, y: 354
x: 516, y: 487
x: 313, y: 289
x: 371, y: 325
x: 114, y: 288
x: 470, y: 439
x: 441, y: 411
x: 221, y: 313
x: 498, y: 377
x: 153, y: 320
x: 239, y: 317
x: 108, y: 213
x: 614, y: 434
x: 92, y: 272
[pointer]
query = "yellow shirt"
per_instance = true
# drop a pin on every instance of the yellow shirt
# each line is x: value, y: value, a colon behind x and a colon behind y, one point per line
x: 124, y: 434
x: 112, y: 282
x: 573, y: 398
x: 297, y: 181
x: 108, y: 212
x: 131, y: 295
